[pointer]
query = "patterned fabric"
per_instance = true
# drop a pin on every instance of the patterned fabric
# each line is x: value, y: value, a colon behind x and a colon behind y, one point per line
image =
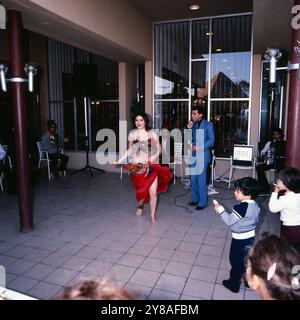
x: 271, y: 154
x: 143, y: 181
x: 134, y: 168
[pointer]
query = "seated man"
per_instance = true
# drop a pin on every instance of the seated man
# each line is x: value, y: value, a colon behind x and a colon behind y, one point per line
x: 52, y: 144
x: 273, y: 158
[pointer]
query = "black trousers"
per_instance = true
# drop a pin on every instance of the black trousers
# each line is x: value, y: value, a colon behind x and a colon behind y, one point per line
x: 237, y: 257
x: 54, y: 161
x: 261, y: 174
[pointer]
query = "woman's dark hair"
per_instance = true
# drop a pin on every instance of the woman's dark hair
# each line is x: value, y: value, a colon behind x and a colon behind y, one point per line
x: 270, y: 249
x: 248, y: 186
x: 290, y: 177
x: 146, y: 119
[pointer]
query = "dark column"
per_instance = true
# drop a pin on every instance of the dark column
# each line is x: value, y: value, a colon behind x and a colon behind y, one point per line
x: 293, y: 124
x: 18, y: 94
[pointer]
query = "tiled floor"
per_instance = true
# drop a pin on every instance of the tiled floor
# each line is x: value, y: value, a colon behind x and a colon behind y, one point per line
x: 86, y: 227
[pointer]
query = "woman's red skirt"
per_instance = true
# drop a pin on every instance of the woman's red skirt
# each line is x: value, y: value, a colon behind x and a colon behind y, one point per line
x: 143, y: 181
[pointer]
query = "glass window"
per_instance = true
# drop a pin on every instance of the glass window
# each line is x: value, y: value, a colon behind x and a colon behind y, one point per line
x: 69, y: 124
x: 171, y: 72
x: 230, y: 120
x: 200, y: 39
x: 272, y: 106
x: 199, y: 86
x: 108, y: 78
x: 104, y: 115
x: 231, y: 57
x: 171, y: 114
x: 219, y: 75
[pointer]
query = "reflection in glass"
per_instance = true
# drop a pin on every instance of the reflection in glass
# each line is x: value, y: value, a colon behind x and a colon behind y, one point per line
x: 231, y: 57
x: 272, y: 106
x: 171, y: 57
x: 230, y: 120
x: 200, y: 39
x: 69, y: 124
x: 170, y: 114
x: 108, y: 78
x: 199, y: 92
x: 104, y: 115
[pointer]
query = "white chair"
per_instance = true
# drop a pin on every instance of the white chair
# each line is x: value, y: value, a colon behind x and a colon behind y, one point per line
x: 43, y: 156
x: 212, y: 169
x: 269, y: 175
x: 242, y: 159
x: 1, y: 178
x: 177, y: 159
x: 5, y: 148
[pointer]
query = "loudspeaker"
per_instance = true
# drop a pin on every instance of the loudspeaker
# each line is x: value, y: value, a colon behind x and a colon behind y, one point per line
x: 85, y: 80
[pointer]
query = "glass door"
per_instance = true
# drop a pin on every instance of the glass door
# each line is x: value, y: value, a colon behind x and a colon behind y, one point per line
x: 273, y: 98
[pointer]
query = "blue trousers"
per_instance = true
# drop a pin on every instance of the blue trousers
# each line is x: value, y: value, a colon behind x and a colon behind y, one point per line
x: 237, y: 257
x: 199, y: 187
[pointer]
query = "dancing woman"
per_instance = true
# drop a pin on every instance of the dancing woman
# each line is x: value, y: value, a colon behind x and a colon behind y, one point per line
x: 148, y: 177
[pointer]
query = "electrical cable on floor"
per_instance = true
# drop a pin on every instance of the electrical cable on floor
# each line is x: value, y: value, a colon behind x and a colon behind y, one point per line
x: 186, y: 207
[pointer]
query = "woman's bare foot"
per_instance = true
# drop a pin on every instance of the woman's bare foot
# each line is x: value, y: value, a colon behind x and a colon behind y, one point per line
x: 153, y: 220
x: 139, y: 212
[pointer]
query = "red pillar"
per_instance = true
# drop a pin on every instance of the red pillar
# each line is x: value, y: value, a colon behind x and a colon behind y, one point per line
x: 293, y: 124
x: 18, y: 94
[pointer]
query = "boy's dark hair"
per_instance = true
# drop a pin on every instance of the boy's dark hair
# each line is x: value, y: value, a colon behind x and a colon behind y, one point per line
x: 50, y: 123
x: 271, y: 249
x: 248, y: 186
x: 290, y: 177
x: 199, y: 108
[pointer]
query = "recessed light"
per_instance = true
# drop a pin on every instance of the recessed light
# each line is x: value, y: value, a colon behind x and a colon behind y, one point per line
x: 194, y: 7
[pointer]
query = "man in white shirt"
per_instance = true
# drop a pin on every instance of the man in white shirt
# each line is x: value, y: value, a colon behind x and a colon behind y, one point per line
x: 270, y: 154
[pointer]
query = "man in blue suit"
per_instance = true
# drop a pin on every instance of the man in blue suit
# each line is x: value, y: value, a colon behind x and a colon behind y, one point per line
x: 203, y: 138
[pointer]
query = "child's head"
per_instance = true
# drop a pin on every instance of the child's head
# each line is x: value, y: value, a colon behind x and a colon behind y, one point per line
x: 246, y: 188
x: 269, y: 269
x: 289, y: 178
x: 95, y: 290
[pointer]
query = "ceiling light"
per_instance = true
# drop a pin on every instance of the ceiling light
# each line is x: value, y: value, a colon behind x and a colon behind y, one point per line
x: 194, y: 7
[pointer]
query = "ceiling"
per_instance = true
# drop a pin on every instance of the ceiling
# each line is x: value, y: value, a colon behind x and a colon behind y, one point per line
x: 162, y: 10
x: 271, y: 22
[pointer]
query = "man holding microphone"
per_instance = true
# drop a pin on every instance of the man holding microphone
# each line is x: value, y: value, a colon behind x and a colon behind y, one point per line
x: 203, y: 138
